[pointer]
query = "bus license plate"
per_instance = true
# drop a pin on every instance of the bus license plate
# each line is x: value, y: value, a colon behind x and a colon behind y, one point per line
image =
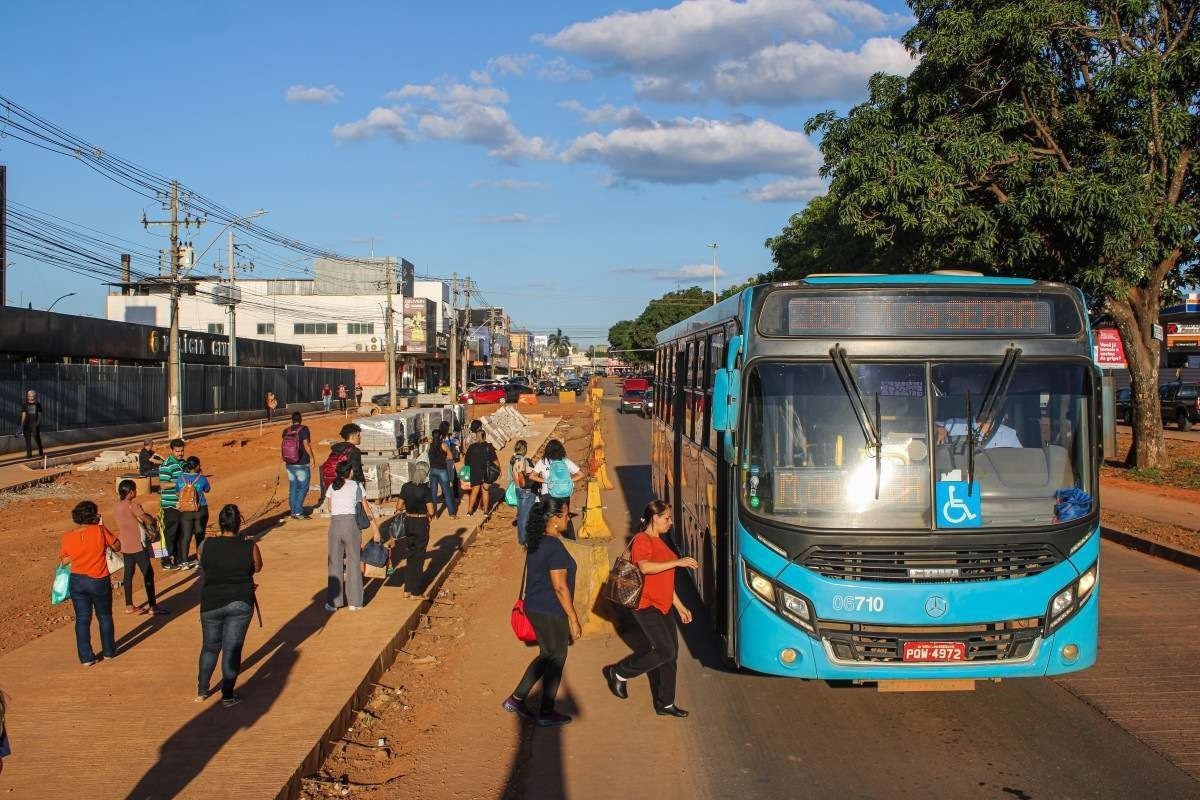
x: 933, y: 651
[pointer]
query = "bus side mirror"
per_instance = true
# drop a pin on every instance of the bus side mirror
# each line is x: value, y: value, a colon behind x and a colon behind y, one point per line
x: 726, y: 399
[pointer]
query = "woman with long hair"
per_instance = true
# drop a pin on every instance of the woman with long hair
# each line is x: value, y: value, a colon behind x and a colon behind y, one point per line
x: 550, y: 606
x: 132, y: 523
x: 441, y: 468
x: 519, y: 470
x: 657, y: 657
x: 479, y: 456
x: 229, y: 563
x: 346, y: 497
x: 91, y: 590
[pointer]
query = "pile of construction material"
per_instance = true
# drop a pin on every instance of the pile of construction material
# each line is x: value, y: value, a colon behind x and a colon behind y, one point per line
x: 391, y: 442
x: 109, y: 459
x: 503, y: 425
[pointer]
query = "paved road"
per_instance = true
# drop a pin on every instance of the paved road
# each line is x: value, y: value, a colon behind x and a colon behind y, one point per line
x: 753, y: 736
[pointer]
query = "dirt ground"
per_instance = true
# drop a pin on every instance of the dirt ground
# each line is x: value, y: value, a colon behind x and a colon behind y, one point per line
x: 243, y: 466
x: 424, y: 708
x: 1182, y: 471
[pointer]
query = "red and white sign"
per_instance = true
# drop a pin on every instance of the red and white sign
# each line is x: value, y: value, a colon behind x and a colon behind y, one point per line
x: 1110, y: 353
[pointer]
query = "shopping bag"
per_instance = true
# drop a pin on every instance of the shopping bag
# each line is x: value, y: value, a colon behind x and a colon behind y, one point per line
x: 62, y: 584
x: 114, y: 560
x: 510, y: 494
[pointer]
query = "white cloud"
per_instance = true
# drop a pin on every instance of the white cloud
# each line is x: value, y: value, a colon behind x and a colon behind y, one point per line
x: 608, y: 114
x: 508, y: 219
x: 689, y: 272
x: 312, y: 94
x: 799, y: 190
x: 559, y: 70
x: 380, y: 121
x: 698, y: 150
x: 508, y: 184
x: 450, y: 93
x: 516, y: 64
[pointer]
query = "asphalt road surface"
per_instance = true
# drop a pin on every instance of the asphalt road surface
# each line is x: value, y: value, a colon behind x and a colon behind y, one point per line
x: 752, y: 736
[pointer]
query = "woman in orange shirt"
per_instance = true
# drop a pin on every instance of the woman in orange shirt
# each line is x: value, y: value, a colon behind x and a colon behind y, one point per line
x: 91, y: 591
x: 657, y: 657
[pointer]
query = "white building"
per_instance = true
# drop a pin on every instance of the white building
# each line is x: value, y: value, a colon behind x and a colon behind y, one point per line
x: 342, y: 326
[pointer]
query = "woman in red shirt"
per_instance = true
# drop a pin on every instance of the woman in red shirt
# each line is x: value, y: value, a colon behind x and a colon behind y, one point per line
x: 657, y: 657
x: 91, y: 591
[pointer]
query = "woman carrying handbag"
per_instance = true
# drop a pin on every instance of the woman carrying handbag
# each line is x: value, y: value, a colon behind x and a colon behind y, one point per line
x: 657, y: 658
x: 550, y: 608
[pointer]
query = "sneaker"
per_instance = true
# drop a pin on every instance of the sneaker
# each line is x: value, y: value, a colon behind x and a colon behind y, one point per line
x: 170, y: 567
x: 230, y: 701
x: 552, y: 720
x: 514, y: 706
x: 202, y: 696
x: 354, y: 608
x: 330, y: 608
x: 192, y: 564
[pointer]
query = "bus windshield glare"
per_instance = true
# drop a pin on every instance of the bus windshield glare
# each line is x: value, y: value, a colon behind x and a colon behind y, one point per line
x: 807, y: 459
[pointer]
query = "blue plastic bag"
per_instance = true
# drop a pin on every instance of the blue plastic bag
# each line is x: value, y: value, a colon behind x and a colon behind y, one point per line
x: 1072, y: 504
x: 61, y: 586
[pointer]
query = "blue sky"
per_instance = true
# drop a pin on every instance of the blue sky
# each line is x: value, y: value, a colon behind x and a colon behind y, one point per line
x: 573, y: 158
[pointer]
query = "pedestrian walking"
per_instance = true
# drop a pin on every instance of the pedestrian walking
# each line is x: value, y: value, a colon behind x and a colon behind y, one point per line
x: 481, y: 457
x: 90, y: 587
x: 416, y: 504
x: 134, y: 527
x: 148, y: 460
x: 272, y: 404
x: 557, y: 475
x: 358, y: 393
x: 31, y: 423
x: 345, y: 450
x: 327, y: 397
x: 191, y: 486
x: 168, y: 500
x: 297, y: 453
x: 441, y: 470
x: 342, y: 394
x: 519, y: 469
x: 550, y: 606
x: 229, y: 563
x: 346, y: 499
x: 658, y: 655
x: 5, y: 749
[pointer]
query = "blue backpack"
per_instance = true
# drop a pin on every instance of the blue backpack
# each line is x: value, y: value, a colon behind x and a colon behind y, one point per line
x: 558, y: 481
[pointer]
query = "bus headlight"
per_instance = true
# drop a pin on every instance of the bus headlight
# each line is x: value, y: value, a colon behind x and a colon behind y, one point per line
x: 761, y: 586
x: 796, y: 609
x: 1064, y: 604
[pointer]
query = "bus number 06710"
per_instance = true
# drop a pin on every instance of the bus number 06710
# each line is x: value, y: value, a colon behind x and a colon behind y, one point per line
x: 858, y: 602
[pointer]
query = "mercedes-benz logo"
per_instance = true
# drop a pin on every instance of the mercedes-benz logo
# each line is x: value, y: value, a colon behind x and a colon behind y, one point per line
x: 936, y: 606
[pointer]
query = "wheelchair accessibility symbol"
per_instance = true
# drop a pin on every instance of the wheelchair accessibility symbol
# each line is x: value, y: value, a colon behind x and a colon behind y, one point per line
x: 956, y: 507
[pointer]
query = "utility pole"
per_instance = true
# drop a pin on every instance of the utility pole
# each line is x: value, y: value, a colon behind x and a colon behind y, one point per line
x: 390, y: 279
x: 467, y: 343
x: 714, y: 247
x: 232, y: 307
x: 491, y: 323
x: 454, y: 338
x: 3, y: 233
x: 174, y: 372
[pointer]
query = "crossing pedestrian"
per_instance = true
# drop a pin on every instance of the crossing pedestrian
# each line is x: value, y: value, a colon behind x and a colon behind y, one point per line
x: 272, y: 404
x: 168, y: 500
x: 441, y: 470
x: 5, y: 750
x: 90, y: 587
x: 482, y: 460
x: 133, y: 528
x: 416, y: 504
x: 229, y: 563
x: 327, y: 397
x: 298, y: 459
x: 31, y: 423
x: 358, y: 395
x: 558, y: 475
x: 346, y: 499
x: 658, y: 655
x: 519, y: 468
x: 342, y: 395
x: 191, y: 488
x: 345, y: 450
x: 549, y: 604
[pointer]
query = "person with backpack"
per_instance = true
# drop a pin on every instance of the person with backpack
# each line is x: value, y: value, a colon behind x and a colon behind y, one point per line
x: 345, y: 450
x: 191, y: 488
x: 229, y: 562
x: 347, y: 502
x: 481, y: 456
x: 519, y: 469
x: 168, y: 499
x: 442, y: 455
x: 298, y: 459
x: 558, y: 475
x: 133, y: 524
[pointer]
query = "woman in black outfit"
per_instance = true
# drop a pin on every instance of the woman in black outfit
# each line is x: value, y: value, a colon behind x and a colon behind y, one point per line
x: 441, y: 470
x: 416, y: 504
x: 479, y: 455
x: 229, y: 563
x: 549, y: 604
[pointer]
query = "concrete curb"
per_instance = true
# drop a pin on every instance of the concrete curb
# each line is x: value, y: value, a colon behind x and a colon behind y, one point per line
x: 1152, y: 548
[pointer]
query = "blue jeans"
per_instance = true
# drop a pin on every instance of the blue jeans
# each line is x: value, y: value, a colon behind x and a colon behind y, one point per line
x: 441, y: 477
x: 224, y: 631
x: 299, y: 476
x: 88, y: 595
x: 525, y: 501
x: 328, y: 402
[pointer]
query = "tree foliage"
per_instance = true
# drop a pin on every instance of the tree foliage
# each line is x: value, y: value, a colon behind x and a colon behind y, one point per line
x: 1041, y: 138
x: 633, y: 340
x: 559, y: 344
x: 816, y: 240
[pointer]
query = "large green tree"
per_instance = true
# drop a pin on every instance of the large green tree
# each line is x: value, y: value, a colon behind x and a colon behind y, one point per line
x: 816, y: 240
x: 633, y: 340
x: 1042, y: 138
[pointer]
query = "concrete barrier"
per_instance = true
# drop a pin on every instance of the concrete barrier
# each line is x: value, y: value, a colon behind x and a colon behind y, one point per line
x: 592, y: 568
x: 566, y: 397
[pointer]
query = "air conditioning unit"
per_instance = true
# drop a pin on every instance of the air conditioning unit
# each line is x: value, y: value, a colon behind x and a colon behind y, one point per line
x: 374, y: 347
x: 358, y: 347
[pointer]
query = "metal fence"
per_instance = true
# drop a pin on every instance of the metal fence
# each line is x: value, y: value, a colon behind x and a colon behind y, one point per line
x: 83, y: 395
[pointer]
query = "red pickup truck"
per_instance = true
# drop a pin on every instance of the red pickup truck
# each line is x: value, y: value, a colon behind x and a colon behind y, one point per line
x: 635, y: 385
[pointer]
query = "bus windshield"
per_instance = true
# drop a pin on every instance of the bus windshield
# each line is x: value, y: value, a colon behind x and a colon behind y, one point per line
x: 807, y: 459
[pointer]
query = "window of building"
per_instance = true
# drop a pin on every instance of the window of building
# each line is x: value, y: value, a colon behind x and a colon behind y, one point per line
x: 216, y: 327
x: 267, y: 328
x: 360, y: 327
x: 314, y: 328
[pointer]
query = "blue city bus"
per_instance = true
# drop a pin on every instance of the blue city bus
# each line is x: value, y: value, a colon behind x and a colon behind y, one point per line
x: 888, y: 478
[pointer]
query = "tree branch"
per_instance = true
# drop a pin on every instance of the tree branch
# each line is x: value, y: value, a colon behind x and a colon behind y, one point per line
x: 1045, y: 134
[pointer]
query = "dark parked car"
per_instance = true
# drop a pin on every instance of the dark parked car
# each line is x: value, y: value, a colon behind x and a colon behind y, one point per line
x: 573, y: 385
x: 402, y: 392
x: 547, y: 388
x: 1180, y: 404
x: 515, y: 390
x: 1124, y: 406
x: 633, y: 402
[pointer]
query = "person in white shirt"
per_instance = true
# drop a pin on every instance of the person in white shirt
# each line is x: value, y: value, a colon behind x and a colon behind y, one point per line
x: 346, y: 497
x: 555, y: 451
x: 991, y: 436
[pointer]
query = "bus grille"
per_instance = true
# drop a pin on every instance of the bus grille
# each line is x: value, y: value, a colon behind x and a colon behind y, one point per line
x: 931, y: 566
x: 1002, y: 641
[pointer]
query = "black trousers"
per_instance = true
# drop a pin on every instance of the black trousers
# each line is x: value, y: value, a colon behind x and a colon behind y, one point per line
x: 657, y: 657
x: 190, y: 527
x: 553, y: 636
x: 171, y: 535
x: 32, y: 435
x: 416, y: 531
x: 141, y: 560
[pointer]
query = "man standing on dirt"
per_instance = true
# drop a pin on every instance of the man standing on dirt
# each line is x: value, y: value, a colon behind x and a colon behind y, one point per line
x: 31, y: 423
x: 168, y: 475
x: 298, y: 459
x: 342, y: 396
x: 358, y: 393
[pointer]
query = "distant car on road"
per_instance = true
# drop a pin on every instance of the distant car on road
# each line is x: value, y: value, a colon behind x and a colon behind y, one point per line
x: 573, y: 385
x: 1124, y: 405
x: 401, y: 393
x: 486, y: 393
x: 547, y: 388
x: 515, y: 390
x: 632, y: 402
x: 1180, y: 404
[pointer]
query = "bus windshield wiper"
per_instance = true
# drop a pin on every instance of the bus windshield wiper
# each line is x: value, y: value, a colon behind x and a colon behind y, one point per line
x: 870, y: 425
x: 970, y: 445
x: 997, y: 390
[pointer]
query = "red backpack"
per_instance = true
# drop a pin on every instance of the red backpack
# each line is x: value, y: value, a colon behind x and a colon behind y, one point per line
x: 291, y: 445
x: 329, y: 468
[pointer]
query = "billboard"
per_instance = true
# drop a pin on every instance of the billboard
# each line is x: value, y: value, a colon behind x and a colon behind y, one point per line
x: 1110, y: 353
x: 420, y: 321
x: 541, y: 341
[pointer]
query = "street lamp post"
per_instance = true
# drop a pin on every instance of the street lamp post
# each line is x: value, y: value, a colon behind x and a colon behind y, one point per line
x: 714, y: 247
x: 64, y: 297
